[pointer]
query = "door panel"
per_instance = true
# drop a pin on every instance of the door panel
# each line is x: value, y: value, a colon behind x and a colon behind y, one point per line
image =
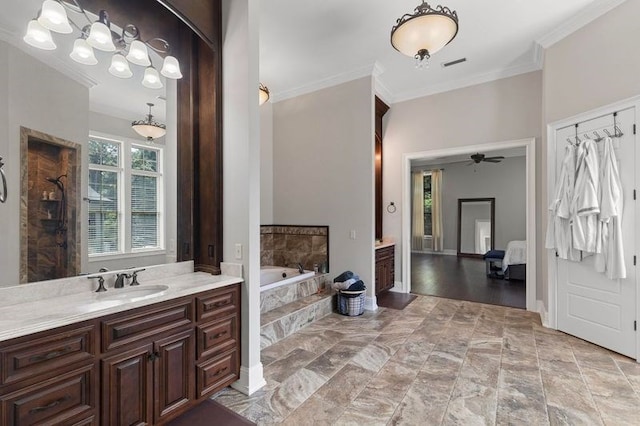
x: 174, y: 384
x: 591, y: 306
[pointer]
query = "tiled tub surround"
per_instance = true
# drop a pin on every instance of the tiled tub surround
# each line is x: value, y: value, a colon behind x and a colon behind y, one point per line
x: 288, y: 245
x: 289, y: 308
x: 277, y: 276
x: 30, y: 308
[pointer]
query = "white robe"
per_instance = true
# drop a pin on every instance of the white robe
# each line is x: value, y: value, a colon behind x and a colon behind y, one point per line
x: 585, y: 205
x: 610, y: 259
x: 558, y: 224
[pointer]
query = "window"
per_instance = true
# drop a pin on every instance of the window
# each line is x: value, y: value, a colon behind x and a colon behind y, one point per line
x: 125, y: 194
x: 427, y: 204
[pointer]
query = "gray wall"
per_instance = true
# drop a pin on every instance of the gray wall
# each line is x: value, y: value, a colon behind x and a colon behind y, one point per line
x: 505, y: 181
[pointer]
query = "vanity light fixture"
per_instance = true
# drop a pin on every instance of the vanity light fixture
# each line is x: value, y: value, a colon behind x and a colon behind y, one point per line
x: 424, y: 32
x: 149, y: 128
x: 127, y: 46
x: 263, y: 94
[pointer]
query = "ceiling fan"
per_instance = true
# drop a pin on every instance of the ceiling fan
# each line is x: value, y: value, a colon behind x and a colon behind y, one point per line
x: 477, y: 158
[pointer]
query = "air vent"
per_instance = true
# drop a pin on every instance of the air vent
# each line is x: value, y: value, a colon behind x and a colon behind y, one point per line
x: 456, y: 62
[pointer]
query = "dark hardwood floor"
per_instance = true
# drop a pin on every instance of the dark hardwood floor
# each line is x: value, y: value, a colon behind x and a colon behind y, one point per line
x: 463, y: 279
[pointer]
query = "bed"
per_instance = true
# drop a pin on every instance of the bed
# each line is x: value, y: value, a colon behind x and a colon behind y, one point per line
x: 514, y: 264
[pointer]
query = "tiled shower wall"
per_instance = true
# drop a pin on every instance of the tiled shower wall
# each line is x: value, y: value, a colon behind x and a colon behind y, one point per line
x: 288, y: 245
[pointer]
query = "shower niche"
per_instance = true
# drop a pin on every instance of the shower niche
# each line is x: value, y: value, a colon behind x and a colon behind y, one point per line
x: 49, y: 207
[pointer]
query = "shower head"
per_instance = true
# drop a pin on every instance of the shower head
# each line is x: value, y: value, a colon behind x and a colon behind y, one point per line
x: 57, y: 182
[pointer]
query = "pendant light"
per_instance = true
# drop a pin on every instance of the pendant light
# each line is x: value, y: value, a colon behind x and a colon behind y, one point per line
x: 149, y: 128
x: 263, y: 94
x: 424, y: 32
x: 120, y: 67
x: 83, y: 53
x: 53, y: 17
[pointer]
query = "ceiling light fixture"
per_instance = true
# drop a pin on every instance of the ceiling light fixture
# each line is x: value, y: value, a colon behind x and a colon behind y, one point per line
x: 149, y: 128
x: 127, y: 46
x: 424, y: 32
x: 263, y: 94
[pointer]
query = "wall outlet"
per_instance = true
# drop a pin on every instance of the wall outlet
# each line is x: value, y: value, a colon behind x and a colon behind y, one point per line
x: 352, y: 234
x: 238, y: 251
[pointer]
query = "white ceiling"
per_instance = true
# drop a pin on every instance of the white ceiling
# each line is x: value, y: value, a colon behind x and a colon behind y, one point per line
x: 307, y: 45
x: 437, y: 161
x: 123, y: 98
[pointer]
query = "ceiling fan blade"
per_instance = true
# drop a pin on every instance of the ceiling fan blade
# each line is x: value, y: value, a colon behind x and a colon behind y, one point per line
x: 492, y: 160
x: 500, y: 157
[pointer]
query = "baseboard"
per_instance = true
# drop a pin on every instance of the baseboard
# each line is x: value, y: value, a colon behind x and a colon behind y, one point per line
x: 447, y: 252
x: 251, y: 379
x: 542, y: 310
x: 397, y: 287
x: 371, y: 303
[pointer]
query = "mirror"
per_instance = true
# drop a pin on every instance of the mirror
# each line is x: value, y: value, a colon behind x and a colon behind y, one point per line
x: 93, y: 193
x: 476, y: 226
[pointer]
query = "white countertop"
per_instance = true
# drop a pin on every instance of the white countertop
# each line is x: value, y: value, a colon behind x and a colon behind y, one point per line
x: 384, y: 244
x: 31, y: 317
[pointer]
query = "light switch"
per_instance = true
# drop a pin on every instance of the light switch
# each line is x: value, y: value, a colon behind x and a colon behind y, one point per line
x: 352, y: 234
x: 238, y: 251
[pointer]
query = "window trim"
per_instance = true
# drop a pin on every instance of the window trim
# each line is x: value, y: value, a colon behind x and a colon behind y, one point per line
x: 125, y: 172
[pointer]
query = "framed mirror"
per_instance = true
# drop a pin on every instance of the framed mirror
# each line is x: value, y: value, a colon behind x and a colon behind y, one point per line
x: 476, y: 226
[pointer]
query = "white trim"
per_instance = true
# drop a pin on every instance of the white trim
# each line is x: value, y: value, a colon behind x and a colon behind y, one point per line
x: 538, y: 55
x: 542, y: 310
x: 552, y: 285
x: 371, y: 303
x: 529, y: 144
x: 251, y: 379
x: 472, y: 80
x: 324, y: 83
x: 397, y: 287
x: 592, y: 12
x: 445, y: 252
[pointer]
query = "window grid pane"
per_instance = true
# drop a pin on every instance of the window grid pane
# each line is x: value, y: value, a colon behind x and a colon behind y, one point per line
x: 104, y: 153
x: 104, y: 222
x: 144, y: 212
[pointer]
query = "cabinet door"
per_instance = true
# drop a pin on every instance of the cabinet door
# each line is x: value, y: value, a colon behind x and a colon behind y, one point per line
x: 127, y: 395
x: 174, y: 373
x: 379, y: 277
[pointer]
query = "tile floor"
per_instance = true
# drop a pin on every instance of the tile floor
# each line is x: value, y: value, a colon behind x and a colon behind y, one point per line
x: 440, y: 361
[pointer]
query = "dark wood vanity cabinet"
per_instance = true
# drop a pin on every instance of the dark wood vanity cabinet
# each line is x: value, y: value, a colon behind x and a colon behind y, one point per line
x: 385, y: 268
x: 144, y: 366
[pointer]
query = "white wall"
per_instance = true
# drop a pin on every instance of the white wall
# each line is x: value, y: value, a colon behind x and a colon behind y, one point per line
x: 266, y: 164
x: 505, y: 181
x: 41, y: 99
x: 241, y: 159
x: 502, y: 110
x: 595, y: 66
x: 323, y: 170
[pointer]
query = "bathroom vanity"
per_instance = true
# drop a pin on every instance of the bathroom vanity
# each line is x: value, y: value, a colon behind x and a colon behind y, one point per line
x: 385, y: 266
x: 115, y: 359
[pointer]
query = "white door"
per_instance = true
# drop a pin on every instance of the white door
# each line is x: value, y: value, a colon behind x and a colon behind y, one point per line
x: 591, y: 306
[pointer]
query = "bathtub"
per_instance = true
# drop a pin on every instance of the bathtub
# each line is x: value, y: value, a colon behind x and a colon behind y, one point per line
x: 276, y: 276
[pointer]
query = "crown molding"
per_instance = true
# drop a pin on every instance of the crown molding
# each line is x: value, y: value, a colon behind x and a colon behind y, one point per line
x: 585, y: 16
x: 538, y: 55
x: 365, y: 71
x: 468, y: 81
x: 47, y: 58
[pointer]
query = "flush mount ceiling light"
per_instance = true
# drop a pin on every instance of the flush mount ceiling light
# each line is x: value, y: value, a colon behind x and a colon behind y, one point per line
x: 263, y: 93
x: 149, y: 128
x: 126, y: 45
x: 424, y: 32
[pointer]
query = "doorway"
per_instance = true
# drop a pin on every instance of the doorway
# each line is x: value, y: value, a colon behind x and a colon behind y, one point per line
x: 527, y: 145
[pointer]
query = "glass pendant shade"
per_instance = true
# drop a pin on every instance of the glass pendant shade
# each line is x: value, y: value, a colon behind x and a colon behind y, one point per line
x: 83, y: 53
x: 100, y: 37
x: 38, y: 36
x: 151, y: 79
x: 149, y: 128
x: 425, y: 32
x: 120, y: 67
x: 53, y: 17
x: 171, y: 68
x: 138, y: 54
x: 263, y: 94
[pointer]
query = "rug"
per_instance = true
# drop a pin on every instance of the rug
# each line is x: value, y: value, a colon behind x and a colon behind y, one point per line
x: 395, y: 300
x: 210, y: 413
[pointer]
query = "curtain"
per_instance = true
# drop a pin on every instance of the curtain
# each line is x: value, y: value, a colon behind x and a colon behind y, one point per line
x: 436, y: 210
x: 417, y: 220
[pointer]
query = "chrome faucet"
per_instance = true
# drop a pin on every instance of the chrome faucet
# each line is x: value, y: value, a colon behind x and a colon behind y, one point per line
x: 120, y: 280
x: 101, y: 286
x: 134, y: 275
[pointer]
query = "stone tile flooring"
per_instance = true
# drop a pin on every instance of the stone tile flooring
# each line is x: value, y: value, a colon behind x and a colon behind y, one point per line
x: 440, y: 361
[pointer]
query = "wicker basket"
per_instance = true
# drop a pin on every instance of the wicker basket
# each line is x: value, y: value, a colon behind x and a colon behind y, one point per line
x: 350, y: 303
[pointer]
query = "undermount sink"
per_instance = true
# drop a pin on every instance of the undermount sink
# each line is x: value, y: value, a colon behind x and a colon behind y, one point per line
x: 133, y: 294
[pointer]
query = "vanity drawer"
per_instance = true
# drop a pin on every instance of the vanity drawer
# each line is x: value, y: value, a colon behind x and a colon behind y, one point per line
x: 217, y: 373
x: 219, y: 303
x: 217, y: 337
x: 385, y: 252
x: 123, y: 329
x: 48, y: 353
x: 67, y: 399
